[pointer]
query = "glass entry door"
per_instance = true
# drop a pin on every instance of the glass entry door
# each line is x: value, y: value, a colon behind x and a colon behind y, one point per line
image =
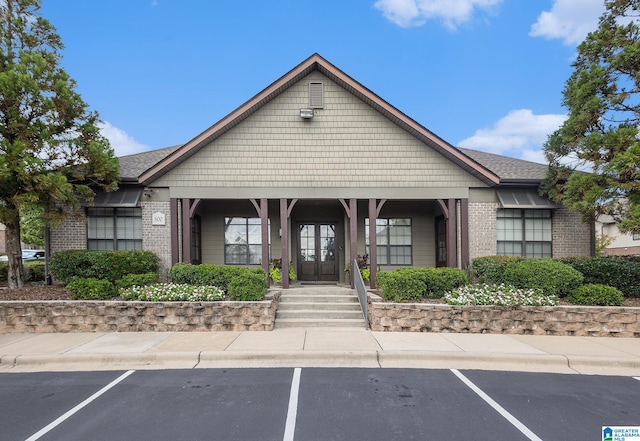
x: 317, y: 253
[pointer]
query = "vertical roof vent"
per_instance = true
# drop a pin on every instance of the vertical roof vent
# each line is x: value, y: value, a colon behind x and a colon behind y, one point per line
x: 316, y: 96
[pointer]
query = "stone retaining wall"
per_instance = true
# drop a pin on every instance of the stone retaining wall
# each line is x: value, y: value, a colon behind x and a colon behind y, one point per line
x: 539, y: 320
x: 121, y: 316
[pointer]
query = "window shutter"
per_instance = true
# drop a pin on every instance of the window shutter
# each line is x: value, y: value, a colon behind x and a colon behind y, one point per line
x: 316, y: 100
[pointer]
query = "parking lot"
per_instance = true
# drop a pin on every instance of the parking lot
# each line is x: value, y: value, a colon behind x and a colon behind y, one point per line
x: 313, y: 404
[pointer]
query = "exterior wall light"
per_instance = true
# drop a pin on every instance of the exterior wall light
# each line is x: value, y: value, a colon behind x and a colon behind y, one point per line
x: 306, y: 113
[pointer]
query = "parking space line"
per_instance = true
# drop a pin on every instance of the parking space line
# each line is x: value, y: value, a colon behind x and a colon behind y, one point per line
x: 69, y: 413
x: 501, y: 410
x: 292, y: 413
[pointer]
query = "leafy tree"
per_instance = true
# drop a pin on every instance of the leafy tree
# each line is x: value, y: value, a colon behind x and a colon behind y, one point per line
x: 594, y: 156
x: 32, y: 225
x: 52, y: 154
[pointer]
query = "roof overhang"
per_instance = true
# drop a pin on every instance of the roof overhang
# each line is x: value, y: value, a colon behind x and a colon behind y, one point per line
x: 122, y: 198
x: 524, y: 199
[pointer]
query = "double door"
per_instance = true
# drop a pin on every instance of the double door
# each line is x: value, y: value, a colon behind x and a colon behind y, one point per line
x: 317, y: 252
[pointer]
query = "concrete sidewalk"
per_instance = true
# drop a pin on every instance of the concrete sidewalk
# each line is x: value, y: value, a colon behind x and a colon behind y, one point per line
x: 317, y: 347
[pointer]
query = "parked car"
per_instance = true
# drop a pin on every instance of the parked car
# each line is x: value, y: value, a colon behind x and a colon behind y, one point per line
x: 27, y: 256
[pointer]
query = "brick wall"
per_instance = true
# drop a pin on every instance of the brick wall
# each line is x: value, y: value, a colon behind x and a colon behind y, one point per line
x: 482, y: 229
x: 157, y: 238
x: 571, y: 237
x: 70, y: 235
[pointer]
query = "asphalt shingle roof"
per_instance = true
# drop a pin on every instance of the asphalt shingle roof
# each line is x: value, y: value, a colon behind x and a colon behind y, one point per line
x: 507, y: 168
x: 132, y: 166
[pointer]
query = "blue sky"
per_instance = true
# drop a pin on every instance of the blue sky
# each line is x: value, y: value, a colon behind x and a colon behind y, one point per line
x: 482, y: 74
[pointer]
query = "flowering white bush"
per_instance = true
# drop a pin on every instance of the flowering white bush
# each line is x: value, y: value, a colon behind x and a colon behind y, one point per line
x: 501, y: 295
x: 172, y: 292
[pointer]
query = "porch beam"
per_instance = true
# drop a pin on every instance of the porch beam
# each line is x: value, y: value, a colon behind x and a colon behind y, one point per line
x: 194, y: 207
x: 452, y: 249
x: 175, y: 243
x: 464, y: 233
x: 443, y: 207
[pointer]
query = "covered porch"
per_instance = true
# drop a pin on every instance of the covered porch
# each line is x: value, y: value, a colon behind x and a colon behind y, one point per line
x: 321, y: 237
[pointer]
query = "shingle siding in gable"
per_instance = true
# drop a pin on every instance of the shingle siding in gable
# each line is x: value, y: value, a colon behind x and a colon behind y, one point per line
x: 346, y: 144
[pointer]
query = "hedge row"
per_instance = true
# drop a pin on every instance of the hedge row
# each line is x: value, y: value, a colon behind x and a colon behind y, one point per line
x: 103, y: 265
x: 239, y: 283
x: 415, y: 284
x: 622, y: 274
x: 559, y: 276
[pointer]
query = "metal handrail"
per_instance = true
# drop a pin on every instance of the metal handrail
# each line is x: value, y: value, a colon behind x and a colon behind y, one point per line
x: 361, y: 290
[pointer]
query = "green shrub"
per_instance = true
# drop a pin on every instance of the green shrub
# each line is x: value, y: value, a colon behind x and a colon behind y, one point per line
x: 445, y: 279
x: 501, y: 295
x: 248, y: 286
x: 207, y: 274
x: 434, y: 282
x: 620, y: 273
x: 107, y: 265
x: 401, y: 286
x: 490, y: 269
x: 596, y: 295
x: 551, y: 276
x: 34, y: 271
x: 91, y: 289
x: 130, y: 280
x: 172, y: 292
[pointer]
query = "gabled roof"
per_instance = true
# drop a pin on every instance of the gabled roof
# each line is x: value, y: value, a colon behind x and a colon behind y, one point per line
x: 317, y: 63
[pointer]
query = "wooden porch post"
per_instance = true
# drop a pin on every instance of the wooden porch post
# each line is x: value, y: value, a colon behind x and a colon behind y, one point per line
x: 464, y: 233
x: 175, y: 244
x: 262, y: 208
x: 452, y: 249
x: 374, y: 212
x: 351, y: 209
x: 186, y: 230
x: 285, y: 213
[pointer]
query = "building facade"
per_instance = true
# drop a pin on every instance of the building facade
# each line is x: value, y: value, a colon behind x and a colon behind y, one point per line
x: 316, y: 170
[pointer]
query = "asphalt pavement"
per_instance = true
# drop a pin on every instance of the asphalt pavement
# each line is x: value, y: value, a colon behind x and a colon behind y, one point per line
x: 318, y: 347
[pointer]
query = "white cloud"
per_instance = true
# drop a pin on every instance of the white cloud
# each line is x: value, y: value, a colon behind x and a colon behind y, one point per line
x: 121, y: 143
x: 568, y: 20
x: 520, y: 134
x: 407, y: 13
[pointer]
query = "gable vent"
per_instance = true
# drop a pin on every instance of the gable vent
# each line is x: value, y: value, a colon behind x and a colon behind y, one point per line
x: 316, y: 99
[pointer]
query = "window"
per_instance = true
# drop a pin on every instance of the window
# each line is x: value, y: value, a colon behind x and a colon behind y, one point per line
x: 393, y: 237
x: 524, y: 233
x: 636, y: 236
x: 196, y: 239
x: 114, y: 228
x: 243, y: 241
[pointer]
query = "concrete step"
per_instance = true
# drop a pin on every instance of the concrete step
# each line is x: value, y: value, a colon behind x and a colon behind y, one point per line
x: 343, y: 306
x: 325, y: 323
x: 318, y: 298
x: 318, y: 307
x: 316, y: 314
